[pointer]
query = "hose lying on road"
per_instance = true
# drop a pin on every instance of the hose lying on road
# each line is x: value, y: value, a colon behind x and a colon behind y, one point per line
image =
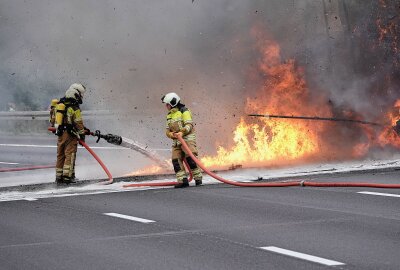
x: 110, y: 181
x: 161, y: 184
x: 283, y: 184
x: 348, y: 184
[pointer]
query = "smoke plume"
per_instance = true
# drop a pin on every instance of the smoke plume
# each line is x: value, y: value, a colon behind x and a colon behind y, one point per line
x: 130, y: 53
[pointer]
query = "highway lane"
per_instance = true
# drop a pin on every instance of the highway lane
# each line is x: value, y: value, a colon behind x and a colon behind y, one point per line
x: 209, y: 227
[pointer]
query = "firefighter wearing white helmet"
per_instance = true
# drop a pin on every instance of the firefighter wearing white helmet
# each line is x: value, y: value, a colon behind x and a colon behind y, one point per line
x: 76, y: 91
x: 69, y: 129
x: 180, y: 122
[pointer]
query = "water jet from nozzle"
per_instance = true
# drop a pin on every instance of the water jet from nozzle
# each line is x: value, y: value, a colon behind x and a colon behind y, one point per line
x: 131, y: 144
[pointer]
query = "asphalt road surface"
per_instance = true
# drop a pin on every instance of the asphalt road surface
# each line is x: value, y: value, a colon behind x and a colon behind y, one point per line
x: 209, y: 227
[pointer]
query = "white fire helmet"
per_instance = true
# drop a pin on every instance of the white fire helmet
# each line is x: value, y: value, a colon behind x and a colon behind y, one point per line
x: 171, y: 99
x: 75, y: 91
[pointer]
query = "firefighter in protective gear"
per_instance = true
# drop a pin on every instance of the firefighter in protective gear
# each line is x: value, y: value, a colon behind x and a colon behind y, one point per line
x: 180, y: 122
x: 70, y: 128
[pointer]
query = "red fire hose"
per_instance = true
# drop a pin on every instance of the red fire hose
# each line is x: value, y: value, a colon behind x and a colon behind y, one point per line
x: 283, y: 184
x: 349, y: 184
x: 110, y: 181
x: 161, y: 184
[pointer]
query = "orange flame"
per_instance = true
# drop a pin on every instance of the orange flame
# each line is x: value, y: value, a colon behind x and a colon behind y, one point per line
x: 284, y: 91
x: 148, y: 170
x: 389, y: 136
x: 267, y: 141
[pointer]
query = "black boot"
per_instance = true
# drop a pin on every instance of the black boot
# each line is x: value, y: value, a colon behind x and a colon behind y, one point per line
x: 59, y: 180
x: 183, y: 184
x: 198, y: 182
x: 69, y: 180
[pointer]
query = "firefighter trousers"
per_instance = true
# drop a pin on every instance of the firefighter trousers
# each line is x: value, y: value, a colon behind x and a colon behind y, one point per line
x: 178, y: 154
x: 67, y: 146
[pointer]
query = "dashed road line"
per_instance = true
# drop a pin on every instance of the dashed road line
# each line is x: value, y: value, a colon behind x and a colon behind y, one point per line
x: 142, y: 220
x: 379, y: 194
x: 302, y: 256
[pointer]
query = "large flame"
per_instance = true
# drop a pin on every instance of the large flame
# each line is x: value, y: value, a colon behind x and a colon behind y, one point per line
x: 283, y: 91
x: 388, y: 136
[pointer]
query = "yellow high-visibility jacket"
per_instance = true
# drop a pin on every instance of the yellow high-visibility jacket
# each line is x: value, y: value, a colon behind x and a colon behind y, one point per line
x: 180, y: 120
x: 73, y: 118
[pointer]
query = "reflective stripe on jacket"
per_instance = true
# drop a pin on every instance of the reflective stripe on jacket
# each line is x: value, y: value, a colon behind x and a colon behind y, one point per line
x: 73, y: 119
x: 180, y: 120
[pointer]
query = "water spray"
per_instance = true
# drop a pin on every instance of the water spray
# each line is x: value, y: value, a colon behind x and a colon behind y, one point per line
x: 128, y: 143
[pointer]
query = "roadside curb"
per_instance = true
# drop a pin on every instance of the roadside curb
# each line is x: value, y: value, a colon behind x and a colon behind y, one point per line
x: 80, y: 183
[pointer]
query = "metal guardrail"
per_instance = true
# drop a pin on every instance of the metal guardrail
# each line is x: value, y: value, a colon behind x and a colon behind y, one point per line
x: 44, y: 115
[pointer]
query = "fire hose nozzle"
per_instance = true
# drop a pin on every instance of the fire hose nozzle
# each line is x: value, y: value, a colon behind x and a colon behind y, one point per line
x: 113, y: 139
x: 110, y: 138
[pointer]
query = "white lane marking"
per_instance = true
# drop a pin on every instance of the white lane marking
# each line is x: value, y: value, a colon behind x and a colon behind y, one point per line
x: 18, y: 199
x: 302, y: 256
x: 55, y: 146
x: 9, y: 163
x: 20, y: 196
x: 142, y: 220
x: 379, y: 194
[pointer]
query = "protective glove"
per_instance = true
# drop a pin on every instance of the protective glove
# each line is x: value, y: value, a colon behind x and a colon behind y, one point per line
x: 87, y: 131
x: 178, y: 134
x: 170, y: 135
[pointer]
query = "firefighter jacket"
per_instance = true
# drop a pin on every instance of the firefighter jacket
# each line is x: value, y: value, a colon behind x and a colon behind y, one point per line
x: 73, y: 119
x: 180, y: 120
